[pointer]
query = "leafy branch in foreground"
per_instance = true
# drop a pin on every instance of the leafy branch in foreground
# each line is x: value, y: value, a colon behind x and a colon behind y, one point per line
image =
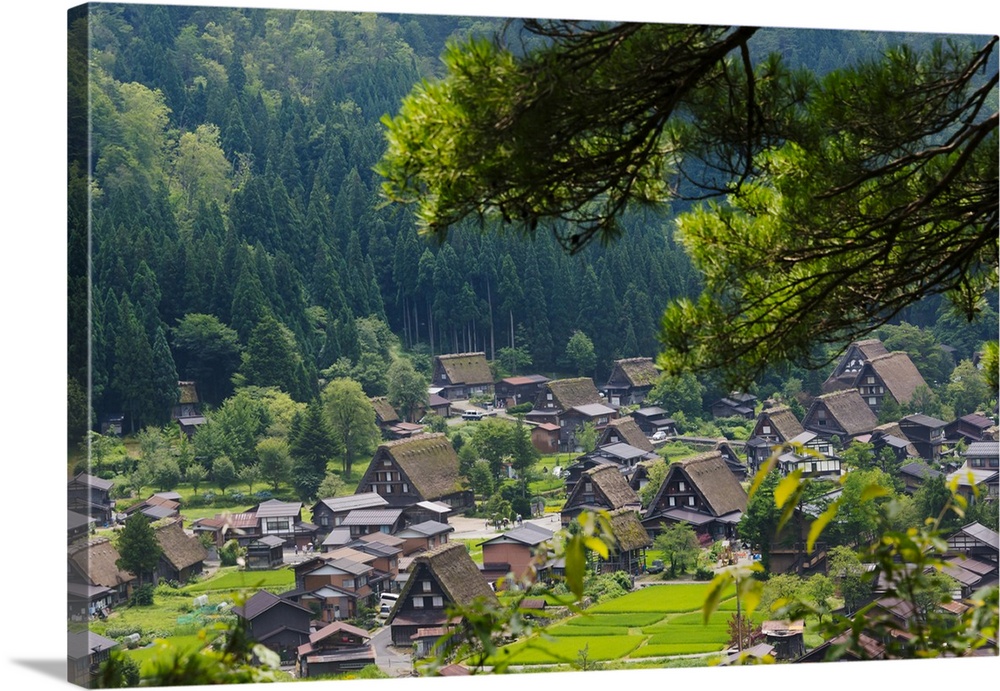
x: 483, y: 629
x: 836, y: 201
x: 909, y: 564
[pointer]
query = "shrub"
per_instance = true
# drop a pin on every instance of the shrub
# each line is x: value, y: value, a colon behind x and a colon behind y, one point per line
x: 142, y: 596
x: 520, y: 408
x: 263, y: 495
x: 703, y: 573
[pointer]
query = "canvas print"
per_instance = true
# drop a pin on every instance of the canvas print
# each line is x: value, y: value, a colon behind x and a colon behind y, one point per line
x: 411, y: 345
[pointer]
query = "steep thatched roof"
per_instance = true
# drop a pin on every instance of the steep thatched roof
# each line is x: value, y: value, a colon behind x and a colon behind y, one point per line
x: 607, y: 481
x: 384, y: 410
x: 628, y: 530
x: 429, y: 461
x: 784, y: 422
x: 452, y: 567
x: 638, y: 371
x: 466, y: 368
x: 627, y: 430
x: 97, y: 559
x: 188, y: 392
x: 570, y: 393
x: 179, y: 548
x: 711, y: 478
x: 848, y: 409
x: 897, y: 371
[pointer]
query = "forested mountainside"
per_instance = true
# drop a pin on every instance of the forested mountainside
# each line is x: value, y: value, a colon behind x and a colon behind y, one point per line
x: 235, y: 225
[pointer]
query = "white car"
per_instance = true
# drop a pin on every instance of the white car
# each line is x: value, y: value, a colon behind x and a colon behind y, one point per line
x: 659, y: 436
x: 473, y: 415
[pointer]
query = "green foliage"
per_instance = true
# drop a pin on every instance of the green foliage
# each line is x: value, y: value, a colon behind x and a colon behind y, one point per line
x: 138, y: 550
x: 580, y: 355
x: 678, y: 393
x: 223, y: 473
x: 679, y: 545
x: 407, y: 389
x: 142, y: 596
x: 351, y: 418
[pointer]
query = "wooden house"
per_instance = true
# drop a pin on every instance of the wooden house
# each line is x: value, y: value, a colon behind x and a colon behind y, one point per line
x: 734, y: 460
x: 266, y: 552
x: 284, y: 519
x: 440, y: 578
x: 980, y: 470
x: 422, y: 468
x: 625, y: 456
x: 926, y: 433
x: 385, y: 521
x: 78, y: 527
x: 426, y: 511
x: 558, y: 395
x: 385, y: 415
x: 436, y: 404
x: 545, y: 437
x: 183, y: 555
x: 602, y: 487
x: 188, y: 404
x: 842, y: 414
x: 845, y: 373
x: 631, y: 379
x: 631, y: 542
x: 570, y: 421
x: 242, y: 527
x: 96, y: 584
x: 976, y: 541
x: 86, y: 651
x: 973, y: 427
x: 513, y: 552
x: 915, y: 474
x: 155, y: 507
x: 335, y: 649
x: 333, y: 588
x: 702, y: 492
x: 890, y: 436
x: 461, y: 376
x: 276, y: 623
x: 421, y: 537
x: 892, y: 374
x: 330, y: 512
x: 776, y: 425
x: 513, y: 391
x: 653, y: 419
x: 625, y: 430
x: 386, y: 551
x: 91, y: 496
x: 787, y: 638
x: 736, y: 404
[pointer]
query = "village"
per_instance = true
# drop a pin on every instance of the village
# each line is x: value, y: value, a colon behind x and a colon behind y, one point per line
x: 375, y: 577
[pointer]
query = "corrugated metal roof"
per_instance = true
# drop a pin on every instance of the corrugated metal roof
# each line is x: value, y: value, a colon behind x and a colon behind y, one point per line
x: 272, y: 508
x: 372, y: 517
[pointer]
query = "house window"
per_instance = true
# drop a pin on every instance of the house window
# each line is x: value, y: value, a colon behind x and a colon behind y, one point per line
x: 680, y: 486
x: 766, y: 429
x: 438, y: 601
x: 418, y: 603
x: 324, y: 521
x: 349, y: 583
x: 690, y: 501
x: 672, y: 501
x: 386, y: 462
x: 384, y: 529
x: 388, y: 489
x: 425, y: 586
x: 977, y: 463
x: 548, y: 397
x: 273, y: 525
x: 872, y: 400
x: 406, y: 488
x: 871, y: 380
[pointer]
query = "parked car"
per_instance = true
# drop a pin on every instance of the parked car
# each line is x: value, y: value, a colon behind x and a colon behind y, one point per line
x: 656, y: 566
x: 659, y: 436
x: 473, y: 415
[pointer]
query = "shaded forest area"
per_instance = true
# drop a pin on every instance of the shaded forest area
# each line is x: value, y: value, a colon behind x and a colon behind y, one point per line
x: 235, y: 225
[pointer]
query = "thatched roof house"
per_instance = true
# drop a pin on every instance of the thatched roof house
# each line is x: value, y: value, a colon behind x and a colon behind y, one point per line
x: 841, y: 413
x: 563, y: 394
x: 420, y: 468
x: 702, y: 492
x: 625, y: 430
x: 630, y: 380
x: 385, y: 414
x: 183, y: 555
x: 601, y: 487
x: 462, y: 375
x: 893, y: 374
x: 95, y: 563
x: 631, y: 541
x: 854, y: 358
x: 440, y: 578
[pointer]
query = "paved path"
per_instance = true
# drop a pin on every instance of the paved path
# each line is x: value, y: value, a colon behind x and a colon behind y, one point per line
x: 476, y: 528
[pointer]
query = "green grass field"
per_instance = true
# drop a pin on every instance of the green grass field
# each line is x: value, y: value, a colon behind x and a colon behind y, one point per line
x: 231, y: 579
x: 538, y: 651
x: 659, y: 598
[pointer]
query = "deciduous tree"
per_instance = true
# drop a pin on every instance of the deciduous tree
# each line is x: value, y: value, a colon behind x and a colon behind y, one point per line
x: 138, y: 550
x: 351, y: 417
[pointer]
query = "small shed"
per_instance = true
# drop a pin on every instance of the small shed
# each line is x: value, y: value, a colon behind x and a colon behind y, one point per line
x: 265, y: 553
x: 786, y: 637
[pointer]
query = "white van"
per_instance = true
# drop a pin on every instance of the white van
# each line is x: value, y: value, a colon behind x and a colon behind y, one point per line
x: 472, y: 415
x: 388, y: 599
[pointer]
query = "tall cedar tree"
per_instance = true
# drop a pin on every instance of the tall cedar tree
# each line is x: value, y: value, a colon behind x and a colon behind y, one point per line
x: 138, y: 550
x: 312, y: 446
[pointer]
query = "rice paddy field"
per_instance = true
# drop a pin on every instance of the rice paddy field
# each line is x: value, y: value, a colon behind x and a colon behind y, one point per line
x: 655, y: 622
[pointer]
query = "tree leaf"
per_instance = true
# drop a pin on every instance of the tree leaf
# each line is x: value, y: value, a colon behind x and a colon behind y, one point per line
x: 820, y: 523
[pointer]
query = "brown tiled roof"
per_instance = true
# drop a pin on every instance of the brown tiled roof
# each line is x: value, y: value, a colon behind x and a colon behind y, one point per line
x: 386, y: 413
x: 430, y: 461
x: 897, y: 371
x: 629, y: 432
x: 570, y: 393
x: 628, y: 530
x: 98, y: 560
x: 466, y: 368
x: 456, y: 573
x: 849, y: 410
x: 639, y: 371
x: 179, y: 548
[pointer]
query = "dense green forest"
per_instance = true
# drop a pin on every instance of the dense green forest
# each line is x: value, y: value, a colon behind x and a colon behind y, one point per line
x: 227, y: 194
